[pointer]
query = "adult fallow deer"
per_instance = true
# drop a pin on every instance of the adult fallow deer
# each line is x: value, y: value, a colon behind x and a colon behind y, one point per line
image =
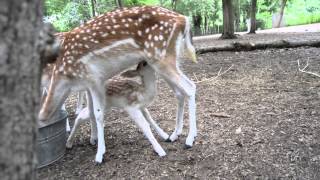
x: 114, y: 41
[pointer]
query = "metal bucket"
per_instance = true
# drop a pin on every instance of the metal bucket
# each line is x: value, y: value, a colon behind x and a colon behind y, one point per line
x: 51, y: 141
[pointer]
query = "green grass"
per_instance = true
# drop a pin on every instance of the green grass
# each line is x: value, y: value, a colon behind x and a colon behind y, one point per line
x: 302, y: 18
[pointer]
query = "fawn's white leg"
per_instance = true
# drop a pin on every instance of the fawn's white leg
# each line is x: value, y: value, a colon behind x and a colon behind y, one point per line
x: 179, y: 116
x: 80, y: 102
x: 93, y: 134
x: 67, y: 121
x: 93, y: 124
x: 82, y: 117
x: 139, y: 119
x: 154, y: 125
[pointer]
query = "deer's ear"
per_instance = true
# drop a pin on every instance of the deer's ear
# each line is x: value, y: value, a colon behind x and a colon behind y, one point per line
x: 130, y: 73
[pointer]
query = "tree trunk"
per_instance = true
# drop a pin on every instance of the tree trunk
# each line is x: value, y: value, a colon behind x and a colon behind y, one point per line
x: 206, y: 28
x: 197, y: 24
x: 174, y: 4
x: 119, y: 3
x: 20, y: 67
x: 228, y: 20
x: 253, y: 12
x: 236, y: 7
x: 93, y: 8
x: 161, y: 2
x: 283, y: 5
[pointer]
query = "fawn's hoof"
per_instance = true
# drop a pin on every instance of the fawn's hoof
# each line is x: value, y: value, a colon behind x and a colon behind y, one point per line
x: 168, y: 140
x: 69, y: 146
x: 186, y: 146
x: 93, y: 142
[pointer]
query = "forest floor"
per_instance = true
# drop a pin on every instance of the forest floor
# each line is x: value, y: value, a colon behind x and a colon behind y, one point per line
x: 269, y: 128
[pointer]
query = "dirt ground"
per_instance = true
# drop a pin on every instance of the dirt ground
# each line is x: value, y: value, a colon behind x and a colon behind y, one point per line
x: 271, y: 129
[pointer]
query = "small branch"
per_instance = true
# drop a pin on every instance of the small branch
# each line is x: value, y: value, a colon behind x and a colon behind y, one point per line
x: 304, y: 71
x: 221, y: 115
x: 195, y: 76
x: 213, y: 78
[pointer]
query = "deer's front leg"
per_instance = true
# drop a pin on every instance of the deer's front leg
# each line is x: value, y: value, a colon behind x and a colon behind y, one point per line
x: 98, y: 100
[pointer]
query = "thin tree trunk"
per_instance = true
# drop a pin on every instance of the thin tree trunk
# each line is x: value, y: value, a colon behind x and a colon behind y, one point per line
x: 119, y: 3
x: 253, y: 12
x: 174, y: 4
x: 93, y: 8
x: 283, y: 5
x: 20, y: 67
x: 228, y: 20
x: 161, y: 2
x: 206, y: 29
x: 236, y: 14
x: 197, y: 24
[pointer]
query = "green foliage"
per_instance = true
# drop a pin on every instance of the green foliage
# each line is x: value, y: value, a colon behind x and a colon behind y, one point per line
x: 129, y: 3
x: 302, y: 12
x: 67, y: 14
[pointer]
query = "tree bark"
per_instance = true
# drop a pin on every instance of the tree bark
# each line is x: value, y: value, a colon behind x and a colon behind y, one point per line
x: 283, y: 5
x: 253, y: 12
x: 119, y: 3
x: 20, y: 23
x: 228, y: 20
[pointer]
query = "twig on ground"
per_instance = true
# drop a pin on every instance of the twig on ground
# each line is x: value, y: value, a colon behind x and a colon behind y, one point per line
x: 304, y: 71
x: 195, y: 76
x: 222, y: 115
x: 212, y: 78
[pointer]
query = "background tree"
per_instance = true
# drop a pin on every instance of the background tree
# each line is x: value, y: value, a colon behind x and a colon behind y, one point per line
x: 237, y: 10
x: 174, y: 4
x: 119, y: 3
x: 20, y: 23
x: 283, y: 5
x: 93, y: 7
x: 228, y: 20
x: 253, y: 12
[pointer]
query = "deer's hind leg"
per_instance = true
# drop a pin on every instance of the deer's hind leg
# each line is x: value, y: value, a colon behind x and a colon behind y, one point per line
x: 184, y: 89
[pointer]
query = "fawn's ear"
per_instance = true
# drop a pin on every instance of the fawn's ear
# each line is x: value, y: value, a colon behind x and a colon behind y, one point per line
x: 130, y: 73
x: 141, y: 65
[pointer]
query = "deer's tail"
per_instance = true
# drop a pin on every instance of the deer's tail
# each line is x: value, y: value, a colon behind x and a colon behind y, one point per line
x: 188, y: 42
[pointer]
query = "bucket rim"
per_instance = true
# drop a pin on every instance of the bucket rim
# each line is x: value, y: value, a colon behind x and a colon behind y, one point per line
x: 59, y: 116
